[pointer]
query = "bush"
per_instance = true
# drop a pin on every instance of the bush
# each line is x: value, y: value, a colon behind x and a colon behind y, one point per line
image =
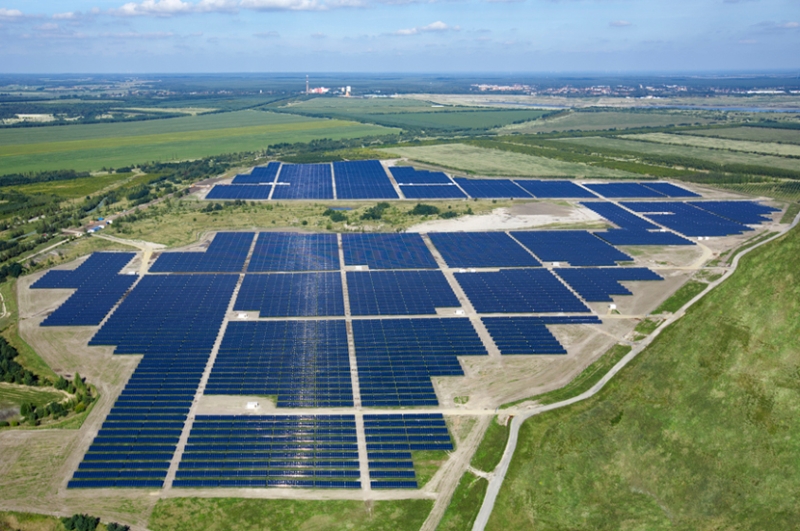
x: 80, y: 522
x: 375, y: 212
x: 449, y: 214
x: 424, y: 210
x: 335, y: 215
x: 113, y: 526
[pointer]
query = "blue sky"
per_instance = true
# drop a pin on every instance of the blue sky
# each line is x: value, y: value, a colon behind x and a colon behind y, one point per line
x: 53, y: 36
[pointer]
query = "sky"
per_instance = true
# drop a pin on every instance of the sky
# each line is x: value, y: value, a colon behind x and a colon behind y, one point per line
x: 425, y: 36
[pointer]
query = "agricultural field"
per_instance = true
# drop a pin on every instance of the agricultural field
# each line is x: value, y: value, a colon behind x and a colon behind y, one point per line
x: 605, y: 120
x: 494, y: 162
x: 765, y: 148
x: 699, y: 432
x: 75, y: 188
x: 754, y: 134
x: 92, y: 146
x: 717, y: 156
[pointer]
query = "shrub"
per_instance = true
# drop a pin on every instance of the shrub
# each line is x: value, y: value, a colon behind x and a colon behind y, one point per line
x: 424, y: 210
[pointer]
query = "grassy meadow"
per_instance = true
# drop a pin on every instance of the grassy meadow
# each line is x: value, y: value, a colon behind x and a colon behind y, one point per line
x: 700, y: 432
x: 93, y: 146
x: 754, y: 134
x: 605, y: 120
x: 765, y: 148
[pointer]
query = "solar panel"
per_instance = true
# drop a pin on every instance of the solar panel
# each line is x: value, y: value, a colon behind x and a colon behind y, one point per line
x: 579, y: 248
x: 399, y: 292
x: 481, y: 249
x: 292, y: 294
x: 408, y: 175
x: 553, y: 189
x: 303, y: 363
x: 226, y: 254
x: 304, y: 181
x: 619, y: 216
x: 362, y: 179
x: 641, y: 237
x: 259, y: 175
x: 597, y: 285
x: 670, y: 190
x: 431, y: 191
x: 744, y: 212
x: 290, y: 251
x: 687, y: 219
x: 522, y: 335
x: 491, y: 188
x: 240, y: 191
x: 519, y: 291
x: 625, y: 189
x: 387, y: 251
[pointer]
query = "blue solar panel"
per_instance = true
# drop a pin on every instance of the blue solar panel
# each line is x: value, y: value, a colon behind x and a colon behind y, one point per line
x: 98, y: 286
x: 397, y: 357
x: 625, y: 189
x: 519, y: 291
x: 226, y: 254
x: 408, y: 175
x: 387, y: 251
x: 619, y: 216
x: 642, y: 237
x: 670, y: 190
x: 481, y: 249
x: 579, y: 248
x: 553, y: 189
x: 240, y: 191
x: 687, y: 219
x: 363, y: 179
x: 491, y: 188
x: 292, y: 294
x: 744, y: 212
x: 260, y: 174
x: 522, y: 335
x: 304, y: 363
x: 597, y: 285
x: 432, y: 191
x: 399, y: 292
x: 304, y: 181
x: 289, y: 251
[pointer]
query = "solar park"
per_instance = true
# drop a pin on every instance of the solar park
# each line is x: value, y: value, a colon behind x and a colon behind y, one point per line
x: 346, y: 333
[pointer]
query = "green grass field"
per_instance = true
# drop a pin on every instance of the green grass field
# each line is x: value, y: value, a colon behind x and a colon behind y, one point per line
x: 90, y: 147
x: 714, y: 155
x: 754, y: 134
x: 465, y: 504
x: 494, y: 162
x: 232, y: 514
x: 12, y: 521
x: 685, y: 293
x: 75, y: 188
x: 490, y: 451
x: 700, y: 432
x: 765, y: 148
x: 604, y: 120
x: 11, y: 394
x: 787, y: 190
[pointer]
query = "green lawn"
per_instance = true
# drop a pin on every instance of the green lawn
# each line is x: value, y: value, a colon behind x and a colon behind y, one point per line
x: 465, y: 504
x: 700, y: 432
x: 604, y: 120
x: 233, y: 514
x: 495, y: 162
x: 685, y: 293
x: 74, y: 188
x: 90, y: 147
x: 492, y: 446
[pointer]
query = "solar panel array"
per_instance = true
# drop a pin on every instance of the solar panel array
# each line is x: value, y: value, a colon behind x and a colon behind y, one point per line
x: 259, y: 175
x: 304, y: 181
x: 408, y: 175
x: 491, y: 188
x: 292, y: 294
x: 744, y: 212
x: 554, y: 189
x: 578, y: 247
x: 290, y: 251
x: 311, y: 451
x: 687, y: 219
x: 399, y: 292
x: 619, y: 216
x: 363, y: 179
x: 669, y: 189
x: 432, y: 191
x: 245, y: 192
x: 633, y: 230
x: 529, y: 335
x: 397, y: 357
x: 98, y: 285
x: 304, y: 363
x: 392, y: 438
x: 624, y: 189
x: 519, y: 291
x: 387, y: 251
x: 481, y: 249
x: 226, y: 254
x: 597, y: 285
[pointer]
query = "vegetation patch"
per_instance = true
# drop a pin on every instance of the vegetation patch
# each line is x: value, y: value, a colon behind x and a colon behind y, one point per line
x: 685, y: 293
x: 465, y: 503
x: 491, y: 449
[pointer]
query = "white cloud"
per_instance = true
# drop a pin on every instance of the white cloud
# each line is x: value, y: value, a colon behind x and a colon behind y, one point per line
x: 167, y: 8
x: 437, y: 26
x: 65, y: 16
x: 267, y: 34
x: 155, y: 7
x: 619, y: 24
x: 789, y: 25
x: 47, y: 27
x: 10, y: 13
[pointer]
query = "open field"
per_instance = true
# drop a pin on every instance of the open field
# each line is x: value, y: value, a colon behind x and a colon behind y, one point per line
x: 700, y: 431
x: 75, y: 188
x: 465, y: 504
x: 231, y: 514
x: 29, y: 522
x: 788, y: 190
x: 494, y: 162
x: 604, y: 120
x: 490, y: 451
x: 19, y: 394
x: 754, y: 134
x: 347, y: 106
x: 90, y: 147
x: 766, y: 148
x: 713, y: 155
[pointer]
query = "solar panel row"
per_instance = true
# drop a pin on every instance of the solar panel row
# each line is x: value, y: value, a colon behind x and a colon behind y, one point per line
x: 744, y: 212
x: 481, y: 249
x: 292, y: 294
x: 687, y: 219
x: 399, y: 292
x: 579, y: 248
x: 259, y: 175
x: 554, y: 189
x: 597, y: 285
x: 387, y: 251
x: 491, y: 188
x: 408, y: 175
x: 253, y: 192
x: 225, y: 254
x: 363, y: 179
x: 286, y: 251
x: 304, y: 181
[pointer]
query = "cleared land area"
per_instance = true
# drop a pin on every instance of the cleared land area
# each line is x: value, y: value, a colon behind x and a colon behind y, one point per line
x: 75, y: 188
x: 718, y: 156
x: 766, y: 148
x: 90, y: 147
x: 700, y: 431
x: 599, y: 121
x: 482, y: 161
x: 754, y: 134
